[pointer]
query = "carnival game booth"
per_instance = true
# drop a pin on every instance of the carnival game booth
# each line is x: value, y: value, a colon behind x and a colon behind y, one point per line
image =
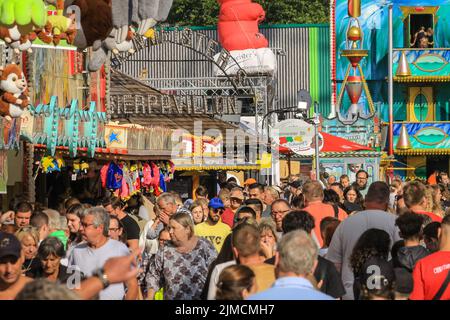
x: 198, y: 148
x: 337, y: 156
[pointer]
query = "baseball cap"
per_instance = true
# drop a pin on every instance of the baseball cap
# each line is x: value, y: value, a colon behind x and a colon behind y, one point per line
x: 249, y: 181
x: 216, y: 203
x: 9, y: 245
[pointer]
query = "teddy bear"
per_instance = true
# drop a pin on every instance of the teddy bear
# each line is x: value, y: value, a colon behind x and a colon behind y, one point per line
x: 14, y: 98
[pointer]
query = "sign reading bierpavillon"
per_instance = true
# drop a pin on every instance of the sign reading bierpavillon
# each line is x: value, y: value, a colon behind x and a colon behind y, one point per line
x: 174, y: 104
x: 296, y: 135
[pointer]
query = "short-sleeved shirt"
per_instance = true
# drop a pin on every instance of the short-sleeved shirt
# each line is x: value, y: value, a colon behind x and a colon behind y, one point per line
x: 348, y: 233
x: 264, y: 276
x: 131, y: 228
x: 182, y: 275
x: 291, y: 288
x: 228, y: 217
x: 89, y: 260
x: 216, y: 234
x: 431, y: 215
x: 429, y: 275
x: 326, y: 272
x: 321, y: 210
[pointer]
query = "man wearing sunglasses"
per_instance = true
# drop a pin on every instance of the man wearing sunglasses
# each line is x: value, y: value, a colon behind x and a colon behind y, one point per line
x: 213, y: 228
x: 236, y: 200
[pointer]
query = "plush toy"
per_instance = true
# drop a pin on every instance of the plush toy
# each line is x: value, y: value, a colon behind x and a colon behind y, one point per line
x: 104, y: 174
x: 143, y: 14
x: 18, y: 19
x: 14, y: 97
x: 115, y: 176
x: 17, y: 40
x: 58, y: 26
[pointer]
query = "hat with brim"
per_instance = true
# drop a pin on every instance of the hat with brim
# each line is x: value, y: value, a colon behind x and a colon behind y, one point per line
x: 9, y: 246
x: 216, y: 203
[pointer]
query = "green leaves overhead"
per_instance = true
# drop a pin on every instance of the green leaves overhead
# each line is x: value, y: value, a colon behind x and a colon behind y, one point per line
x: 206, y: 12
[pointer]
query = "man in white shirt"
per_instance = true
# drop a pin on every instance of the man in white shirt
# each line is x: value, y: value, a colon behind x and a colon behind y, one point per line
x: 91, y: 255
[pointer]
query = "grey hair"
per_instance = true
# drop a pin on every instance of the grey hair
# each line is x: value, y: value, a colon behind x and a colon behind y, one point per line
x: 43, y: 289
x: 298, y: 253
x: 101, y: 218
x: 166, y: 197
x: 53, y: 219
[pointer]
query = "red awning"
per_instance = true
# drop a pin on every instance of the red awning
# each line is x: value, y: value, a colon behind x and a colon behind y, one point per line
x: 334, y: 144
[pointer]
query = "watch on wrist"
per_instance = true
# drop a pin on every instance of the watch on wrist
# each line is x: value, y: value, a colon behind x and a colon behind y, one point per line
x: 100, y: 273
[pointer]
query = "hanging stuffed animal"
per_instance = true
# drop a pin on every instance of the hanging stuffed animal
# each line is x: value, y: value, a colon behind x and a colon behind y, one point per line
x: 84, y: 167
x: 147, y: 175
x: 47, y: 164
x: 115, y: 176
x: 135, y: 177
x: 58, y: 26
x: 104, y: 174
x: 155, y: 175
x: 76, y: 167
x: 14, y: 97
x: 18, y: 20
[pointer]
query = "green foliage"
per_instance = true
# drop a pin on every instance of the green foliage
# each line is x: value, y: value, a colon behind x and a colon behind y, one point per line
x: 206, y: 12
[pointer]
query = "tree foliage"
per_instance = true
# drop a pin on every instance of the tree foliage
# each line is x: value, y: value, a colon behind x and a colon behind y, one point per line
x: 206, y: 12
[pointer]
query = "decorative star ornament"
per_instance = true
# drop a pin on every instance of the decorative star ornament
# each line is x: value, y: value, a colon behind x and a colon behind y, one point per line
x: 114, y: 136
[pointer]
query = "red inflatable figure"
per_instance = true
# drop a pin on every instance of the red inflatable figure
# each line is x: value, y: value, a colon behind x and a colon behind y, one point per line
x: 238, y: 25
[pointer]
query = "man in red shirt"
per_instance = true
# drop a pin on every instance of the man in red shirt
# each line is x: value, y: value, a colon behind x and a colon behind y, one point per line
x: 432, y: 273
x: 416, y: 201
x: 236, y: 200
x: 313, y: 193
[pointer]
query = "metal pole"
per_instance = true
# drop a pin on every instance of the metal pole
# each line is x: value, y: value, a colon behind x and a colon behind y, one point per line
x: 391, y: 84
x: 316, y: 131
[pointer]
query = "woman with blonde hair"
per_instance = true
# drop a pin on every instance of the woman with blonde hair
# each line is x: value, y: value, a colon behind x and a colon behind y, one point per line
x: 198, y: 215
x: 29, y: 239
x: 186, y: 255
x: 437, y: 198
x: 268, y: 232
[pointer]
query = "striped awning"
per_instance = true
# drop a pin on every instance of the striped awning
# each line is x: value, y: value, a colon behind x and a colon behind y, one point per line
x: 422, y: 152
x: 351, y: 154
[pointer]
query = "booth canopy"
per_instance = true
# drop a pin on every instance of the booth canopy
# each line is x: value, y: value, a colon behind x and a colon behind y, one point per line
x: 334, y: 144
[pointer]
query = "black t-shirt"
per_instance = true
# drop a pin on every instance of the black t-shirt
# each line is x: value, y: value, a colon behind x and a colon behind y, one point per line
x: 130, y: 227
x: 326, y: 271
x: 30, y: 266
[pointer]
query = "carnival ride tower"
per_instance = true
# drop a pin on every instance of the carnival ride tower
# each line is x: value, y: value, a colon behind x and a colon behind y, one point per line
x: 354, y: 81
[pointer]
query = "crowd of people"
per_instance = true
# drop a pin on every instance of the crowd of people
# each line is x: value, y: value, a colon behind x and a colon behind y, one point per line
x: 311, y: 240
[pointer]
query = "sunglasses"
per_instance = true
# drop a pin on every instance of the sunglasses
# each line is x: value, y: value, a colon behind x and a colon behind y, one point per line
x: 218, y: 210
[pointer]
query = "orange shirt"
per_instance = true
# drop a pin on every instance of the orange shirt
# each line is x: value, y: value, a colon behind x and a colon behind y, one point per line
x: 321, y: 210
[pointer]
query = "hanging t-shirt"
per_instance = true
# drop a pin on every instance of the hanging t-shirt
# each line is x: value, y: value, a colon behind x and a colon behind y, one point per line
x: 89, y: 260
x: 216, y: 234
x: 429, y: 275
